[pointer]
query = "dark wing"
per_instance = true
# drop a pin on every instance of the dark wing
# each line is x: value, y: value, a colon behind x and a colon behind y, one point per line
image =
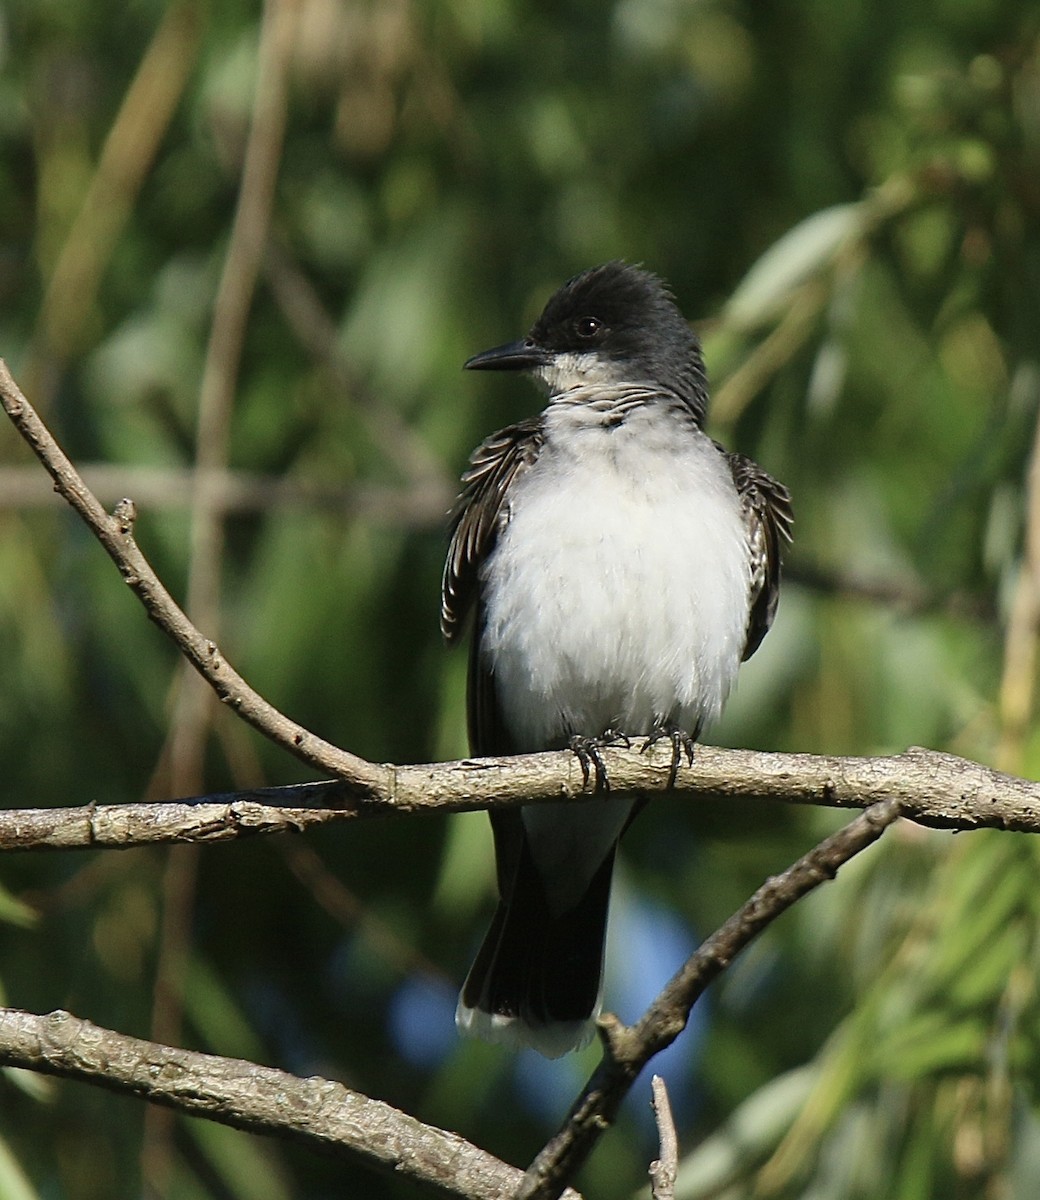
x: 478, y: 515
x: 769, y: 519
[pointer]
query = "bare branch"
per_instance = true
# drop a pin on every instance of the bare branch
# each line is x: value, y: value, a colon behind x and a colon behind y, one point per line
x: 181, y: 763
x: 663, y: 1170
x: 317, y: 1112
x: 328, y: 1116
x: 116, y: 535
x: 628, y: 1049
x: 931, y: 788
x: 421, y: 504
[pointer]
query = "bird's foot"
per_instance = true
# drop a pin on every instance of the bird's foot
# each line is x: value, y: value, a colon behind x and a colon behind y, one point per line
x: 587, y: 750
x: 682, y: 743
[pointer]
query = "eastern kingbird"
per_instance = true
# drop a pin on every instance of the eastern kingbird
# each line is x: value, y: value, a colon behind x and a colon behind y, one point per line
x: 621, y: 565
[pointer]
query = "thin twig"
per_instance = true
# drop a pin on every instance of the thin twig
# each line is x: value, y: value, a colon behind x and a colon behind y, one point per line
x: 628, y: 1049
x: 803, y: 306
x: 906, y: 596
x: 665, y: 1168
x: 737, y: 391
x: 179, y: 884
x: 234, y: 299
x: 328, y: 891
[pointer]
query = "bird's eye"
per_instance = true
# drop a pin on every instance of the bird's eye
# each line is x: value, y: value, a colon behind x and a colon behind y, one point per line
x: 587, y: 327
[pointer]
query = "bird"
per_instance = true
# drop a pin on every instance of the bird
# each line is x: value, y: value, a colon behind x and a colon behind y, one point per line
x: 619, y: 565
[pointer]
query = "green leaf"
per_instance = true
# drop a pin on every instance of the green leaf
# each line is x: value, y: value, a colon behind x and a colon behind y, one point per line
x: 247, y: 1167
x: 800, y: 254
x: 751, y: 1133
x: 15, y: 911
x: 930, y: 1042
x: 14, y: 1183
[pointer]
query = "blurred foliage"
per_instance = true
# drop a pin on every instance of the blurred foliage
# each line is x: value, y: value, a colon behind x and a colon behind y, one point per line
x: 846, y: 199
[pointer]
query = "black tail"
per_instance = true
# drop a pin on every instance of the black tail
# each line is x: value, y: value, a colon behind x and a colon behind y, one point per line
x: 536, y: 979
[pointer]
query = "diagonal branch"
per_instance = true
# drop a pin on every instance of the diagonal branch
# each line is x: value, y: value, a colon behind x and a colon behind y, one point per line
x: 316, y: 1112
x: 181, y: 763
x: 330, y: 1117
x: 115, y: 533
x: 628, y: 1049
x: 931, y: 788
x: 234, y: 299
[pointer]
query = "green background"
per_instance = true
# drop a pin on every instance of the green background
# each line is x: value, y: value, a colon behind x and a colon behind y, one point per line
x: 845, y: 199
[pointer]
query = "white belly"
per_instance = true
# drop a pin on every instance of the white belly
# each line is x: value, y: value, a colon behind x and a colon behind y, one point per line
x: 617, y: 595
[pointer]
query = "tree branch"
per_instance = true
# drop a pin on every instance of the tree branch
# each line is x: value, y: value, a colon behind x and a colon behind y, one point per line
x: 330, y: 1117
x: 115, y: 533
x: 317, y: 1112
x: 934, y: 789
x: 664, y: 1169
x: 931, y: 788
x: 628, y: 1049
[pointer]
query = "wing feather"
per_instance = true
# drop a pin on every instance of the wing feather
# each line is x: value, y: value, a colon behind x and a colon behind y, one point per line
x: 479, y: 513
x: 769, y: 519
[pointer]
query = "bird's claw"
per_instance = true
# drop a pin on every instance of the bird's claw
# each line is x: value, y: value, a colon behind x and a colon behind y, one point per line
x: 587, y: 751
x: 682, y: 742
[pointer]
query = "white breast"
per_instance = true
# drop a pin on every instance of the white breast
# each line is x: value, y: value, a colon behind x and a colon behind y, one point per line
x: 618, y: 593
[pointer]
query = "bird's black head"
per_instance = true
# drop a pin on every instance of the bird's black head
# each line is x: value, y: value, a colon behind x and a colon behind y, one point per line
x: 613, y: 324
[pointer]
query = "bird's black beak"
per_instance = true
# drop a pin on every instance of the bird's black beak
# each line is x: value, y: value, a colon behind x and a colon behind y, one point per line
x: 524, y: 355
